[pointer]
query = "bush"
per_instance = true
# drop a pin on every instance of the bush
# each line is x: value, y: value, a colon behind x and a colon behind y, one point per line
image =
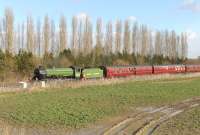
x: 62, y: 62
x: 24, y: 62
x: 120, y: 62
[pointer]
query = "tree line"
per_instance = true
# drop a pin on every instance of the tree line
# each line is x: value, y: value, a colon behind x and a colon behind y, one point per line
x: 82, y: 43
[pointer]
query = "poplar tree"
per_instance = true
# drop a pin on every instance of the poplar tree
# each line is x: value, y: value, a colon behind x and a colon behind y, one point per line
x: 1, y: 37
x: 22, y: 36
x: 135, y: 39
x: 118, y: 36
x: 184, y: 46
x: 80, y: 37
x: 74, y: 40
x: 167, y: 44
x: 9, y: 29
x: 87, y: 36
x: 46, y: 34
x: 99, y: 37
x: 173, y: 45
x: 53, y: 38
x: 158, y: 42
x: 108, y: 39
x: 63, y: 34
x: 145, y: 42
x: 38, y: 38
x: 127, y: 34
x: 18, y: 38
x: 30, y: 34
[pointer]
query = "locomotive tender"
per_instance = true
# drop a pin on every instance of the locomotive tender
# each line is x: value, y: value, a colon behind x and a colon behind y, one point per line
x: 111, y: 71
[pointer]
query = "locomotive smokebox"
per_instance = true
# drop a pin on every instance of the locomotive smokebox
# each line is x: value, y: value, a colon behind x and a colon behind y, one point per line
x: 39, y: 73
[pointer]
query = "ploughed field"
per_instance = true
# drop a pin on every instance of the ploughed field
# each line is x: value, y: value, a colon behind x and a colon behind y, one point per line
x: 80, y: 107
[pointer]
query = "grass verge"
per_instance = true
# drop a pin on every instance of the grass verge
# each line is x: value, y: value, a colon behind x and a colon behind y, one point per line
x: 75, y: 108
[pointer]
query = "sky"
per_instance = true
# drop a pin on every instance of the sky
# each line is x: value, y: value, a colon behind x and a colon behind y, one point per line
x: 178, y: 15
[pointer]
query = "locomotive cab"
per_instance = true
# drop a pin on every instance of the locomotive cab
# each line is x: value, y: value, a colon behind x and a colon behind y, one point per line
x: 104, y: 70
x: 76, y: 72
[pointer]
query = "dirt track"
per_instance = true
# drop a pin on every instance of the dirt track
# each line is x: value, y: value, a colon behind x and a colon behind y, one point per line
x: 147, y: 120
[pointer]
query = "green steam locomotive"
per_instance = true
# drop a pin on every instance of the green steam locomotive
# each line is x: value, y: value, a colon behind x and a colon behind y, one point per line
x: 72, y: 72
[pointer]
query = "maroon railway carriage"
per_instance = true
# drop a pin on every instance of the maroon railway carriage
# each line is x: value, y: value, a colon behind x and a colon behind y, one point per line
x: 169, y: 69
x: 119, y: 71
x: 160, y: 69
x: 192, y: 68
x: 143, y: 70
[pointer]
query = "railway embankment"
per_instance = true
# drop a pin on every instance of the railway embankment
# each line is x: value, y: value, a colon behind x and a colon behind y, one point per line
x: 24, y: 86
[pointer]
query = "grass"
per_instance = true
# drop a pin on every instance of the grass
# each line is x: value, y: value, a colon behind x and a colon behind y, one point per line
x: 187, y: 123
x: 75, y: 108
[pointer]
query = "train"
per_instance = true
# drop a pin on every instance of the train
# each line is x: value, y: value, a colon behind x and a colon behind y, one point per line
x: 79, y: 73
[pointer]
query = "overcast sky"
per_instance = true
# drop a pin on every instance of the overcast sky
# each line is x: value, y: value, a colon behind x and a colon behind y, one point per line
x: 178, y: 15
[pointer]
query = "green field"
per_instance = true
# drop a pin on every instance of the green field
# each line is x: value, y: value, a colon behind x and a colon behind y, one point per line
x: 75, y: 108
x: 187, y: 123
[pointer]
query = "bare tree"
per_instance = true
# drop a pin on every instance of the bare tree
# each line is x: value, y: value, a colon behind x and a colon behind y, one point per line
x: 184, y: 46
x: 46, y: 34
x: 99, y: 37
x: 63, y: 33
x: 53, y: 40
x: 158, y: 42
x: 30, y: 35
x: 39, y: 38
x: 178, y: 47
x: 118, y: 36
x: 74, y: 40
x: 135, y: 39
x: 57, y: 43
x: 167, y: 44
x: 173, y: 45
x: 35, y: 49
x: 109, y: 39
x: 144, y: 40
x: 22, y: 36
x: 1, y: 37
x: 18, y: 34
x: 87, y: 36
x: 80, y: 36
x: 127, y: 34
x: 9, y: 29
x: 90, y: 37
x: 151, y: 50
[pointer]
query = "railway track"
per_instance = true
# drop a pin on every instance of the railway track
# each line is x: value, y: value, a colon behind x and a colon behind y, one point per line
x: 71, y: 83
x: 147, y: 120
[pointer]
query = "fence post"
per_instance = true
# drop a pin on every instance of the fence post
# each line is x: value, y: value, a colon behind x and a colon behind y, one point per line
x: 43, y: 84
x: 24, y: 85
